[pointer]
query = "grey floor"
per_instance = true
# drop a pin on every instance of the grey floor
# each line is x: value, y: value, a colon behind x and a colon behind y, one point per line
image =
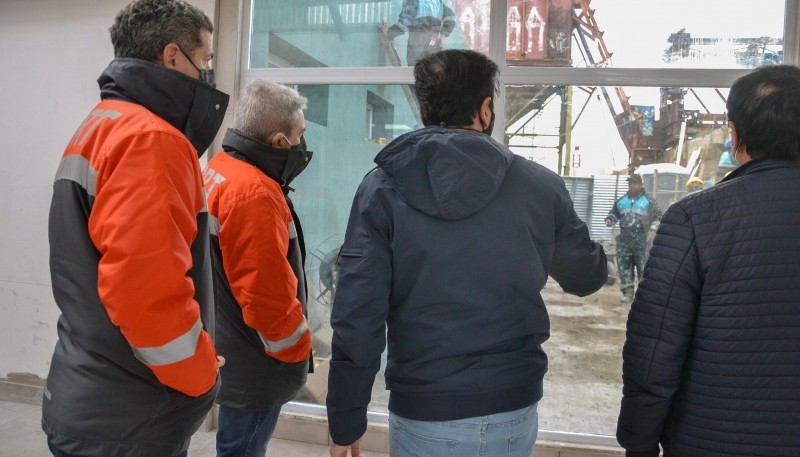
x: 21, y: 436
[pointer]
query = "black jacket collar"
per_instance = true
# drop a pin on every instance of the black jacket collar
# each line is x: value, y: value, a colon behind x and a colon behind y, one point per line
x: 190, y: 105
x: 282, y: 165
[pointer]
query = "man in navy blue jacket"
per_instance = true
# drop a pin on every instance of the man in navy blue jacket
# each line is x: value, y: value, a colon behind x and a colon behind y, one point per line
x: 711, y: 365
x: 449, y: 244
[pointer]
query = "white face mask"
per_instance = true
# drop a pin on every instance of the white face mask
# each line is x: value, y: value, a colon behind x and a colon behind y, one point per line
x: 734, y: 160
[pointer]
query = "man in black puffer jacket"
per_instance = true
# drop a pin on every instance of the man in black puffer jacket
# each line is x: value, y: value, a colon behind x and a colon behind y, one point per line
x: 712, y: 357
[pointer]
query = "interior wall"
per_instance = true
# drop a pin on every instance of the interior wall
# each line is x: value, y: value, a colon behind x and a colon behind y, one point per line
x: 53, y: 51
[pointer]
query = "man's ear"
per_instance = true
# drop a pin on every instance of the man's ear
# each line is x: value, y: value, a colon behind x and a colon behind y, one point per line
x: 274, y: 140
x: 170, y: 55
x: 485, y: 112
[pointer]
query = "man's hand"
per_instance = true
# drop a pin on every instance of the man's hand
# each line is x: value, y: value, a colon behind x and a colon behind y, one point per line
x: 341, y: 451
x: 609, y: 223
x: 220, y: 361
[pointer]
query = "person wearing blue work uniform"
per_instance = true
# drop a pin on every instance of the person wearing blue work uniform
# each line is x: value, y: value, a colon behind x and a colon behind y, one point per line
x: 635, y: 212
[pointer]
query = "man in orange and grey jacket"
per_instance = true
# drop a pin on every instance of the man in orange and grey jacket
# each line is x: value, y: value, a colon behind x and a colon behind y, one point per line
x: 134, y: 371
x: 257, y: 252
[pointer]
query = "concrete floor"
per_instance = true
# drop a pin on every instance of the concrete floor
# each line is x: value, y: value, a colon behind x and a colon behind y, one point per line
x: 21, y: 436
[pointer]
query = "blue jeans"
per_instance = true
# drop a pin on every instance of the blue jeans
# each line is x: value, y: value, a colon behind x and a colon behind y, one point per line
x: 59, y: 453
x: 245, y: 433
x: 510, y: 434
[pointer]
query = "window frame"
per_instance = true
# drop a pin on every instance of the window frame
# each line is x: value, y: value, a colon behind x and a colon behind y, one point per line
x: 509, y: 75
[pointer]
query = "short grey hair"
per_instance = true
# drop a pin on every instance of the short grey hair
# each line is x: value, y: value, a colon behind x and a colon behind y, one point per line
x: 266, y: 108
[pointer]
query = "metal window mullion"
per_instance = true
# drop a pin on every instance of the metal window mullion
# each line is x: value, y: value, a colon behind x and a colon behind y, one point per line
x: 247, y: 34
x: 497, y: 52
x: 328, y: 75
x: 646, y: 77
x: 791, y: 33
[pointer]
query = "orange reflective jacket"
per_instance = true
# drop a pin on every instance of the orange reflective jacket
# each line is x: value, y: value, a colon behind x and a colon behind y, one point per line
x: 143, y: 183
x: 250, y: 218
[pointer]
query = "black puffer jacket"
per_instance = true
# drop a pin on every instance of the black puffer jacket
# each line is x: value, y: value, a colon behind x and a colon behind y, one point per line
x: 712, y: 357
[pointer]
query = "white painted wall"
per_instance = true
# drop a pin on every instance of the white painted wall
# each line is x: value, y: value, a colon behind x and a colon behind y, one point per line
x: 52, y: 53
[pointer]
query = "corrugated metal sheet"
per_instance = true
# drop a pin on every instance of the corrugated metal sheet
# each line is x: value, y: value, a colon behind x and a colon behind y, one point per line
x: 606, y: 190
x: 580, y: 191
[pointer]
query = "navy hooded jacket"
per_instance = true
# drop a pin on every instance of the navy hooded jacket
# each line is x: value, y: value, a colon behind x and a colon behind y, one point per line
x: 711, y: 364
x: 449, y: 244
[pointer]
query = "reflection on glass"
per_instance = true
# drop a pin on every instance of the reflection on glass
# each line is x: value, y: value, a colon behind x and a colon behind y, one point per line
x: 363, y: 33
x: 346, y: 127
x: 636, y: 34
x: 596, y: 136
x: 538, y: 32
x: 592, y: 135
x: 580, y: 33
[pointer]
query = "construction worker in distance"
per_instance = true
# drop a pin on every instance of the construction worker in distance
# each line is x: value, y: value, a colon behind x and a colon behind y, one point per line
x: 694, y: 185
x: 638, y: 215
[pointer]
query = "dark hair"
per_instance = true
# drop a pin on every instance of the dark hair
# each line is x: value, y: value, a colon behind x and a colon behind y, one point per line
x: 144, y: 27
x: 765, y: 108
x: 452, y: 84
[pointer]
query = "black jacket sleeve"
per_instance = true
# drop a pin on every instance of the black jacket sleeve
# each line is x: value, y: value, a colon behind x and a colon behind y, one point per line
x: 579, y: 264
x: 359, y: 314
x: 660, y: 327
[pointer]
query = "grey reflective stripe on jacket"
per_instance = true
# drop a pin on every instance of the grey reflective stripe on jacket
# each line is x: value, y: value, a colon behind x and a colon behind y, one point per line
x: 213, y: 225
x: 176, y: 350
x: 289, y: 341
x: 76, y: 168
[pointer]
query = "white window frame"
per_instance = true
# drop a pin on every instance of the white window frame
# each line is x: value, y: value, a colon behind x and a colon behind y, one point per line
x: 511, y: 75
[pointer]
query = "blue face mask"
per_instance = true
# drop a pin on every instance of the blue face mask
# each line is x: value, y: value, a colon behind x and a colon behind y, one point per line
x: 207, y: 76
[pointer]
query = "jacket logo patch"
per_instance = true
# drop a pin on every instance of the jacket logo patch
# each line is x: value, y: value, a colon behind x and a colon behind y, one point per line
x: 210, y: 180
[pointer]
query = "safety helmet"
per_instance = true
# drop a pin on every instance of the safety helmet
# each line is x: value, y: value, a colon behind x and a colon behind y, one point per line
x: 695, y: 184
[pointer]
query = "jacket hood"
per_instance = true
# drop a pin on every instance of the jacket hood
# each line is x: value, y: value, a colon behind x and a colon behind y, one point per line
x: 282, y: 165
x: 190, y: 105
x: 449, y: 174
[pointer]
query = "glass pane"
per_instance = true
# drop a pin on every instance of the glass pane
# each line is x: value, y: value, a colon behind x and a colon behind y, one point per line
x: 344, y: 148
x: 363, y: 33
x: 637, y: 34
x: 667, y: 136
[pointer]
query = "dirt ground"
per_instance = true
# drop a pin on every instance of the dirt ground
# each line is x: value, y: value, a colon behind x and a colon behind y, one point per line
x: 583, y: 386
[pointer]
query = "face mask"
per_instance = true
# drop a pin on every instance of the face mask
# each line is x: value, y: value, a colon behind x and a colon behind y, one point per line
x: 490, y: 127
x: 301, y: 146
x: 207, y: 76
x: 734, y: 152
